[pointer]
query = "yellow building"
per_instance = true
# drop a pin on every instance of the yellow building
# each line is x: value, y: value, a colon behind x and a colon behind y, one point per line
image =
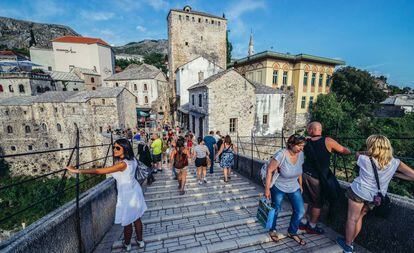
x: 309, y: 75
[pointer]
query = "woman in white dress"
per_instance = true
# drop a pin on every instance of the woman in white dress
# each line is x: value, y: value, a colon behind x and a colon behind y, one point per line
x: 130, y: 204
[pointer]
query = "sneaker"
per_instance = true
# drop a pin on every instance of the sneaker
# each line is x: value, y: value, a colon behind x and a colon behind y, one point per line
x: 341, y: 242
x: 182, y: 192
x: 141, y: 244
x: 302, y: 226
x: 205, y: 181
x: 200, y: 182
x: 314, y: 231
x: 127, y: 247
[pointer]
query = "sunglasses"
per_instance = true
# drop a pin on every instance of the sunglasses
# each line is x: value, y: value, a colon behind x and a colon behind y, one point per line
x: 116, y: 148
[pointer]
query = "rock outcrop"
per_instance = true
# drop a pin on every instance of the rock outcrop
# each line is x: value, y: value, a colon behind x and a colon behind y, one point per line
x: 16, y: 33
x: 144, y: 47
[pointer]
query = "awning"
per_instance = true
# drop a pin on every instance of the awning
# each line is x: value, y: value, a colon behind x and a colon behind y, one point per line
x: 184, y: 108
x: 141, y: 113
x: 196, y: 114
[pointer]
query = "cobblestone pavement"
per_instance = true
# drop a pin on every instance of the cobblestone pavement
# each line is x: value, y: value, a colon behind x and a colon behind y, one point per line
x: 213, y: 217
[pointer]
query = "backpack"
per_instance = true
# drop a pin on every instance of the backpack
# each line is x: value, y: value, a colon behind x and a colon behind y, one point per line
x: 142, y: 171
x: 164, y: 146
x: 180, y: 161
x: 263, y: 170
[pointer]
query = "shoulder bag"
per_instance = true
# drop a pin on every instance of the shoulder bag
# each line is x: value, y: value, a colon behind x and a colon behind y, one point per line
x: 382, y: 203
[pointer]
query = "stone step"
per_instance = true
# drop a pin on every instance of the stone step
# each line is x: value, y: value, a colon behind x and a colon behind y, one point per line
x: 175, y: 183
x: 204, y: 202
x: 191, y: 176
x: 198, y: 221
x: 201, y: 194
x: 199, y: 188
x: 246, y: 224
x: 204, y: 236
x: 171, y: 217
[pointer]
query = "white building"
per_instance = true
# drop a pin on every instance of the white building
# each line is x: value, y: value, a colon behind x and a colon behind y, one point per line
x: 83, y: 52
x: 148, y: 83
x: 191, y: 73
x: 136, y: 57
x: 43, y: 57
x: 270, y: 109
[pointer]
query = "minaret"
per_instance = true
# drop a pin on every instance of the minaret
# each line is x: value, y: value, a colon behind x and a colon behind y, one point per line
x: 251, y: 51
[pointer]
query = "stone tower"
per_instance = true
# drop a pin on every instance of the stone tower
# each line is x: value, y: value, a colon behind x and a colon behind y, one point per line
x: 251, y: 50
x: 192, y: 34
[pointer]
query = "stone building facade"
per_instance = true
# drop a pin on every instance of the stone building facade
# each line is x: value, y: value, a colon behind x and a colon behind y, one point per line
x: 150, y: 86
x: 90, y: 77
x: 192, y: 34
x: 66, y: 81
x: 13, y: 84
x: 308, y: 75
x: 224, y: 102
x: 49, y: 121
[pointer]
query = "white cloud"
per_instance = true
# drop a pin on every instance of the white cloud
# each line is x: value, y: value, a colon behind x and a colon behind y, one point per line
x: 97, y: 15
x: 158, y: 4
x: 141, y: 28
x: 236, y: 11
x: 127, y: 5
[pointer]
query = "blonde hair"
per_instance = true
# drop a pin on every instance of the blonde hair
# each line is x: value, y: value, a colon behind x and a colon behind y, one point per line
x: 379, y: 147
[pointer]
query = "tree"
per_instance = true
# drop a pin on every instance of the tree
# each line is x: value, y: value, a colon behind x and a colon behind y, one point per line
x: 123, y: 63
x: 328, y: 110
x: 157, y: 60
x: 357, y: 87
x: 229, y: 47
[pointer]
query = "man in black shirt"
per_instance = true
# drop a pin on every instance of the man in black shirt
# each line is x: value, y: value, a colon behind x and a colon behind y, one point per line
x: 318, y: 148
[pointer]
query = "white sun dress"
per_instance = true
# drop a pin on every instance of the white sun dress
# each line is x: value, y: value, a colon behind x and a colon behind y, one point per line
x: 130, y: 204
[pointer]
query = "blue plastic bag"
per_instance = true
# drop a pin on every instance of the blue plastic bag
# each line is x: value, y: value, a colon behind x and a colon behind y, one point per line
x: 265, y: 213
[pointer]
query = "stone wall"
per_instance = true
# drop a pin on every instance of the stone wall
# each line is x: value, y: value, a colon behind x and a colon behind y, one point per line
x: 231, y: 96
x: 56, y: 232
x: 53, y: 126
x: 32, y: 84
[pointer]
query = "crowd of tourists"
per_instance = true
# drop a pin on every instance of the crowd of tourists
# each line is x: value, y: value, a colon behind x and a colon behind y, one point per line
x: 300, y: 171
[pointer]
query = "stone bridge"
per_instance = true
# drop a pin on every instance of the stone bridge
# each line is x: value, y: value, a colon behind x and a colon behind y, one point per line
x: 213, y: 217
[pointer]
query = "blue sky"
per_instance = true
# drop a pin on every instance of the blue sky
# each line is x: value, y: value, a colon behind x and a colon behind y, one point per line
x: 376, y: 35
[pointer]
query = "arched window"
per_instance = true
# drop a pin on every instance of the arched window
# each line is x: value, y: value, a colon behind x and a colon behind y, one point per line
x: 145, y: 86
x: 93, y: 88
x: 9, y: 129
x: 59, y: 127
x: 92, y: 80
x: 146, y: 99
x: 1, y: 88
x: 11, y: 88
x: 44, y: 127
x: 103, y: 101
x: 136, y: 100
x: 39, y: 89
x: 21, y: 88
x: 13, y: 148
x: 27, y: 129
x: 135, y: 86
x: 116, y: 84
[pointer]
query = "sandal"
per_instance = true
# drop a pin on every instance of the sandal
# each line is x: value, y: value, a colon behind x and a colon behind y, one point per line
x: 274, y: 236
x: 297, y: 239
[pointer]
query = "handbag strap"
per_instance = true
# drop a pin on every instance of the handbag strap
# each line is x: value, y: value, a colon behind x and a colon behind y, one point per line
x: 374, y: 168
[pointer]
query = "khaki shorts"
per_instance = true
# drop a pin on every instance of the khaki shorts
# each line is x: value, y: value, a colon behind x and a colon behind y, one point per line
x: 312, y: 191
x: 350, y: 194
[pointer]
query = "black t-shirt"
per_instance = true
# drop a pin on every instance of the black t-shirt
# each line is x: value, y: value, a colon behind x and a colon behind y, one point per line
x: 319, y: 153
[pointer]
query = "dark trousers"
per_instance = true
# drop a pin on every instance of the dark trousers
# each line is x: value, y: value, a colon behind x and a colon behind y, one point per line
x: 212, y: 161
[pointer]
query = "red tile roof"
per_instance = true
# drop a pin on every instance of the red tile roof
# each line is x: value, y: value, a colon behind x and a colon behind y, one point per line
x: 7, y: 52
x: 81, y: 40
